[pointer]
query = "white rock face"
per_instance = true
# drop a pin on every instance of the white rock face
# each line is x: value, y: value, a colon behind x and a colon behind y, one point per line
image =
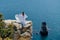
x: 26, y: 34
x: 28, y: 23
x: 19, y: 26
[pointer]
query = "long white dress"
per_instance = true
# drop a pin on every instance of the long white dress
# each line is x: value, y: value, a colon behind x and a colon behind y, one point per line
x: 21, y: 19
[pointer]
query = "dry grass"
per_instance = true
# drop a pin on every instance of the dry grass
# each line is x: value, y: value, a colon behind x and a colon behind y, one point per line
x: 24, y: 38
x: 5, y: 38
x: 21, y: 38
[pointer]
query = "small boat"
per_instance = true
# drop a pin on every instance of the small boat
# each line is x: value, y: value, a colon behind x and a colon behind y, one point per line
x: 44, y: 31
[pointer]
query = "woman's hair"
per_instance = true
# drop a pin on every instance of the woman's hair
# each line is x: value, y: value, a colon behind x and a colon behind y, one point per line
x: 23, y: 13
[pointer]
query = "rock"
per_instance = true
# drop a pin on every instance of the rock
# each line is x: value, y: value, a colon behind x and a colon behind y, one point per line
x: 26, y: 34
x: 27, y: 30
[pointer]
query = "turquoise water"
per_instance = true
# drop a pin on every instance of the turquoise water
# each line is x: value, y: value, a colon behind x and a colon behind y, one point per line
x: 38, y: 11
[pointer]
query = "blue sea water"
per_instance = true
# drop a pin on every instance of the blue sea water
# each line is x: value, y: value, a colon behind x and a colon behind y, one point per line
x: 38, y: 11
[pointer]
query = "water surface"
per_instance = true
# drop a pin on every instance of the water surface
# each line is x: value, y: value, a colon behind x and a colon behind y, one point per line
x: 38, y: 11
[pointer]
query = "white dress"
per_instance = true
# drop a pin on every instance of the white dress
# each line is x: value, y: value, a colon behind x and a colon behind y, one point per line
x: 21, y: 19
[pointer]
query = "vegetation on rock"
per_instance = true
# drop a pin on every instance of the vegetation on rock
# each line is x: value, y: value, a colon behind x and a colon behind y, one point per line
x: 5, y: 32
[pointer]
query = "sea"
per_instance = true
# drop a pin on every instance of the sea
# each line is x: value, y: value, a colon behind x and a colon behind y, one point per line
x: 37, y: 12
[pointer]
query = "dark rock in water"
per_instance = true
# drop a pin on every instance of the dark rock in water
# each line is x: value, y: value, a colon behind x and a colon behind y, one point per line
x: 44, y: 33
